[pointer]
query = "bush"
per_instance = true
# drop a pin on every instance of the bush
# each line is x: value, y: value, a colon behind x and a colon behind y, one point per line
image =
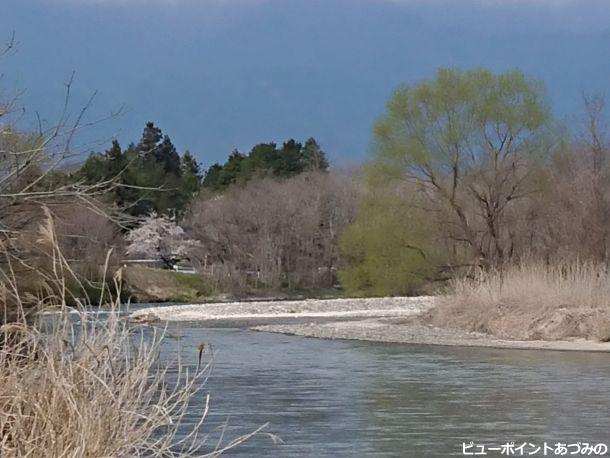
x: 383, y: 249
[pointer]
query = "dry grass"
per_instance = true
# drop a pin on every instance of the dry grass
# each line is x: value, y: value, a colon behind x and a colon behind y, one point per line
x: 531, y: 301
x: 95, y: 389
x: 85, y: 386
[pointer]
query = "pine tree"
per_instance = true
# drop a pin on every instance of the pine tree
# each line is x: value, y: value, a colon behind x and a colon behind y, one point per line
x: 262, y: 160
x: 211, y: 180
x: 289, y: 160
x: 190, y: 166
x: 313, y: 158
x: 151, y: 136
x: 232, y: 170
x: 115, y: 161
x: 165, y: 153
x: 191, y: 177
x: 114, y: 153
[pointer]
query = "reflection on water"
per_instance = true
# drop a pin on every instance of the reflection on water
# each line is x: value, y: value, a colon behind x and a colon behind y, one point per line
x: 351, y: 399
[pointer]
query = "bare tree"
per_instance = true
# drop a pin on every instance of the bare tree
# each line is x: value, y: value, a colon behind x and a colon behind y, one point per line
x: 275, y: 233
x: 31, y: 185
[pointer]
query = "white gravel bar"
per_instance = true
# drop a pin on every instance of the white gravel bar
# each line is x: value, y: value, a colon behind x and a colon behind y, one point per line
x: 280, y: 311
x: 387, y: 319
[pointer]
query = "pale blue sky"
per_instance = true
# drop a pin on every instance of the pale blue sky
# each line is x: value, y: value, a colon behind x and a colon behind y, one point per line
x: 220, y: 74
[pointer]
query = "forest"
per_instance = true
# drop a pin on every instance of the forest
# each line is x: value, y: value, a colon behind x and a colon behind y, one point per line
x: 469, y: 171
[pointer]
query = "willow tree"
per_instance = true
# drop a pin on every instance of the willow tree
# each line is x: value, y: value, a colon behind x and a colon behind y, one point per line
x: 387, y: 250
x: 467, y: 140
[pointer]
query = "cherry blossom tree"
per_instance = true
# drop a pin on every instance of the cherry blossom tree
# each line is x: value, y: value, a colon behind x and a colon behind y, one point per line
x: 159, y: 238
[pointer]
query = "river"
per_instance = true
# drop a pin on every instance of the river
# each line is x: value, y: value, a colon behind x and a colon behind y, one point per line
x: 354, y: 399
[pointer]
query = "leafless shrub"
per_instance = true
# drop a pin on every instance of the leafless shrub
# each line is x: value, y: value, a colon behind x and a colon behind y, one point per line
x: 85, y: 238
x: 31, y: 181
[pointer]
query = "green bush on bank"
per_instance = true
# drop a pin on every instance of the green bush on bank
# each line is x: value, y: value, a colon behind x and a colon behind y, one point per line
x: 385, y: 249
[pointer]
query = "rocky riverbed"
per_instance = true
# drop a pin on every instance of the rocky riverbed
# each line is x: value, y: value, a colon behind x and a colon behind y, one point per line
x: 390, y: 319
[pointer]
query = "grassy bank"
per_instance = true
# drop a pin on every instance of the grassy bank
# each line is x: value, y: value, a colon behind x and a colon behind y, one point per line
x: 530, y: 301
x: 159, y: 285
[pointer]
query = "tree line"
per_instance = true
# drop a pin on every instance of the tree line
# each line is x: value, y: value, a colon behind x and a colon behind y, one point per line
x: 468, y: 170
x: 152, y: 177
x: 266, y: 159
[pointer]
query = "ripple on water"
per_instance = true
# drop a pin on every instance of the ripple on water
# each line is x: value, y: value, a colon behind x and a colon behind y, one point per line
x: 340, y: 398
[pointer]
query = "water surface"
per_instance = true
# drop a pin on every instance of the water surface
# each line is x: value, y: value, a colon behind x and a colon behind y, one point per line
x: 354, y: 399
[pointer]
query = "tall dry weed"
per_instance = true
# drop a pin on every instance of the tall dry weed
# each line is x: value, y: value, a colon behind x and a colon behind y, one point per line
x: 531, y: 300
x: 75, y: 383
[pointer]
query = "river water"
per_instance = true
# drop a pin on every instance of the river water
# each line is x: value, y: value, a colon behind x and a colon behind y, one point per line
x: 354, y: 399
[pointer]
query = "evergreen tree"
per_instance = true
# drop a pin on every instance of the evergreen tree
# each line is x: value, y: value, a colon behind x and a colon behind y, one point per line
x: 265, y: 159
x: 114, y: 153
x: 211, y: 180
x: 165, y: 153
x: 289, y: 160
x: 151, y: 175
x: 261, y: 160
x: 116, y: 160
x: 94, y: 170
x: 151, y: 136
x: 102, y: 167
x: 232, y: 170
x: 190, y: 166
x: 313, y: 158
x: 190, y: 177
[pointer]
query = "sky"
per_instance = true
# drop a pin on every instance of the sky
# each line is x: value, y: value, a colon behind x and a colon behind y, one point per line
x: 222, y: 74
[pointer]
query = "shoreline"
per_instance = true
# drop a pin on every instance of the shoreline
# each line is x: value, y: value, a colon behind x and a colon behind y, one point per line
x: 385, y: 320
x: 416, y: 334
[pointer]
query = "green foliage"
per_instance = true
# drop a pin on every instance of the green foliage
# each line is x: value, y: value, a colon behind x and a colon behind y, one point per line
x: 191, y: 178
x: 232, y: 170
x: 387, y: 250
x: 461, y: 119
x: 266, y: 159
x: 211, y: 179
x: 151, y: 176
x: 312, y: 156
x: 463, y: 145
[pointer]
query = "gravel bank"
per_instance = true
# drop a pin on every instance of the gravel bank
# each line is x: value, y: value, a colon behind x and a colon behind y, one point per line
x: 408, y: 332
x: 392, y: 319
x: 280, y: 311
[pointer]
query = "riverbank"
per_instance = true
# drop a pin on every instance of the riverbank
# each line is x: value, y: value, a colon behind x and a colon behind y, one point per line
x: 247, y: 314
x: 392, y: 319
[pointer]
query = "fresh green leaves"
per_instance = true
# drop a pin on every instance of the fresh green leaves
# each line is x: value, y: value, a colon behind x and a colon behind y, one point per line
x: 462, y: 147
x: 387, y: 250
x: 461, y: 118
